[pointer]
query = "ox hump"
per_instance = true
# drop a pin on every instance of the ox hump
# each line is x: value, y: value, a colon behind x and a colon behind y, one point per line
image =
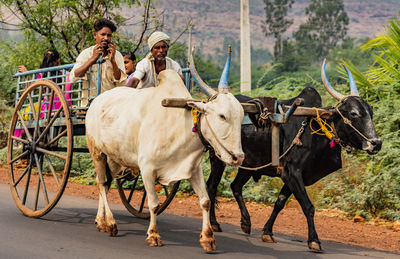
x: 170, y: 79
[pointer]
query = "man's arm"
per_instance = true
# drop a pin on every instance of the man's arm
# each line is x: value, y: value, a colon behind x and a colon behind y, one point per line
x: 111, y: 56
x: 183, y: 79
x: 81, y: 71
x: 133, y: 82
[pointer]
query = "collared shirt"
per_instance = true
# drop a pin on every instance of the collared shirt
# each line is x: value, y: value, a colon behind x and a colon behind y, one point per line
x: 107, y: 74
x: 144, y: 71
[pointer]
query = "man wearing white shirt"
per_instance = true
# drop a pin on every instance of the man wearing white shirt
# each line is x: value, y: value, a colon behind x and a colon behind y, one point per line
x: 147, y: 69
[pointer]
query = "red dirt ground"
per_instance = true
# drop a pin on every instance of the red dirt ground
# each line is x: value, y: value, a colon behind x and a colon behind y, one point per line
x: 331, y: 225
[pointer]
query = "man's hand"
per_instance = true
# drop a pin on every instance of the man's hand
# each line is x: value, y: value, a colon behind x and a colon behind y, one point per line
x: 111, y: 51
x: 22, y: 69
x: 97, y: 51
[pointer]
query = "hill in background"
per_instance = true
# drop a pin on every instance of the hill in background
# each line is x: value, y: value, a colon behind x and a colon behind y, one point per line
x: 217, y: 20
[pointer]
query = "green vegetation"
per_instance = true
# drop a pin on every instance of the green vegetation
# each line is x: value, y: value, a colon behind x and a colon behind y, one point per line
x: 276, y: 23
x: 374, y: 187
x: 325, y: 27
x: 64, y: 25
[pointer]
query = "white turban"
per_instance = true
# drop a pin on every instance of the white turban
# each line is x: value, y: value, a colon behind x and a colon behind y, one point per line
x: 156, y: 37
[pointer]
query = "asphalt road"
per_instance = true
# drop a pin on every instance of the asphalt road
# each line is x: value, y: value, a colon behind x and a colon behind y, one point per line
x: 68, y: 231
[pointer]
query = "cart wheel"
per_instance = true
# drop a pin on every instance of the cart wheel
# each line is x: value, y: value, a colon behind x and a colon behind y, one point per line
x: 133, y: 195
x: 39, y: 148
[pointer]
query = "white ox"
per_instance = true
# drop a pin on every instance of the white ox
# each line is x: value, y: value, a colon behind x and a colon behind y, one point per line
x: 129, y: 127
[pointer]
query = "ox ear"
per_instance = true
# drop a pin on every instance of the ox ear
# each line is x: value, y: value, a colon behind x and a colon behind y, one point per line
x: 201, y: 107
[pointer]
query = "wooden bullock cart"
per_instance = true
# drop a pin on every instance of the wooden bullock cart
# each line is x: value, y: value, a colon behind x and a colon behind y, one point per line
x: 47, y: 119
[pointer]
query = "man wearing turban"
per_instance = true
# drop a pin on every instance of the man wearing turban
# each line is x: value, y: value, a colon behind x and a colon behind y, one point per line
x: 147, y: 69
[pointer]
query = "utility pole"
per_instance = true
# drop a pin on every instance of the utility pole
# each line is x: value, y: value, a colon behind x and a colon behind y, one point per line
x: 190, y: 53
x: 245, y: 59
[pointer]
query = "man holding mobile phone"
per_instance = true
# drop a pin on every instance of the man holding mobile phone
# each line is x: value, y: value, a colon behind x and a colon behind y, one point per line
x: 113, y: 69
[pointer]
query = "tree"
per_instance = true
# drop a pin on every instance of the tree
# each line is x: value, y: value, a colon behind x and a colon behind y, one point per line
x: 67, y: 25
x: 325, y: 27
x: 383, y: 77
x: 275, y: 23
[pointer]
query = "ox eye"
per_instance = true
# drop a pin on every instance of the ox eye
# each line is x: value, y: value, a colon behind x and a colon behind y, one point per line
x: 354, y: 114
x: 222, y: 117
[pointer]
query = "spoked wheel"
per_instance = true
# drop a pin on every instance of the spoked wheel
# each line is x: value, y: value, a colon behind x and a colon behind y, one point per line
x: 133, y: 195
x: 39, y: 148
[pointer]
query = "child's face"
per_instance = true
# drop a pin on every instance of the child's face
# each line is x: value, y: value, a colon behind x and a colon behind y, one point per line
x: 130, y: 65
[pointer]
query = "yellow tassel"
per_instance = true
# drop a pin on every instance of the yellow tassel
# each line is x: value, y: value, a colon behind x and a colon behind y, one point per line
x: 195, y: 115
x: 325, y: 129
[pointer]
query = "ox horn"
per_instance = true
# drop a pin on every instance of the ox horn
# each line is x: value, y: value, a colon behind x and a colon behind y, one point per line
x: 207, y: 89
x: 223, y: 82
x: 338, y: 96
x: 353, y: 86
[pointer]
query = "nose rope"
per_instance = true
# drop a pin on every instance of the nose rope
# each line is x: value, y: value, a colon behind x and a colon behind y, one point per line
x: 217, y: 139
x: 348, y: 122
x: 197, y: 127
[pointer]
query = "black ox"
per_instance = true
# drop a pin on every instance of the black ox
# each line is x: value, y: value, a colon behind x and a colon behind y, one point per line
x: 305, y: 164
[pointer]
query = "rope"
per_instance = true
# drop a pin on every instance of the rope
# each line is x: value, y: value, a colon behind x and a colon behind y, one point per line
x: 263, y: 118
x: 324, y: 127
x: 154, y: 73
x: 295, y: 141
x: 127, y: 171
x: 348, y: 122
x: 216, y: 138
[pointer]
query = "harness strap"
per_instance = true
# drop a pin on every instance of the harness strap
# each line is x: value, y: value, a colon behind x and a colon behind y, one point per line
x: 348, y: 122
x: 339, y: 141
x: 295, y: 141
x: 263, y: 114
x: 217, y: 139
x: 202, y: 139
x: 154, y: 73
x: 198, y: 126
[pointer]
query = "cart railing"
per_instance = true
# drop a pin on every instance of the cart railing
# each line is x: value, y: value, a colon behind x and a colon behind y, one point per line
x: 73, y: 91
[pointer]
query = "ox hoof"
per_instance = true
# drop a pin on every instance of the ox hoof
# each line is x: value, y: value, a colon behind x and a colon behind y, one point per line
x: 101, y: 228
x: 112, y: 230
x: 216, y: 228
x: 207, y: 240
x: 314, y: 246
x: 208, y: 243
x: 101, y: 224
x: 246, y: 228
x: 268, y: 239
x: 154, y: 240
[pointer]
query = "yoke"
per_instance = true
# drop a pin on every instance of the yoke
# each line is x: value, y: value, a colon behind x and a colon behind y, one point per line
x: 281, y: 114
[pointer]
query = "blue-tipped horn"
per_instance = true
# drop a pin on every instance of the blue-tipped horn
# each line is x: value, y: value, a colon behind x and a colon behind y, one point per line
x: 353, y: 86
x: 223, y: 82
x: 207, y: 89
x: 338, y: 96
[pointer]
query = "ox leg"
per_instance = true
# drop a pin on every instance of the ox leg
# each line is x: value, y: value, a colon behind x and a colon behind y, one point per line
x: 296, y: 184
x: 207, y: 240
x: 237, y: 186
x: 217, y: 169
x: 153, y: 238
x: 267, y: 235
x: 104, y: 219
